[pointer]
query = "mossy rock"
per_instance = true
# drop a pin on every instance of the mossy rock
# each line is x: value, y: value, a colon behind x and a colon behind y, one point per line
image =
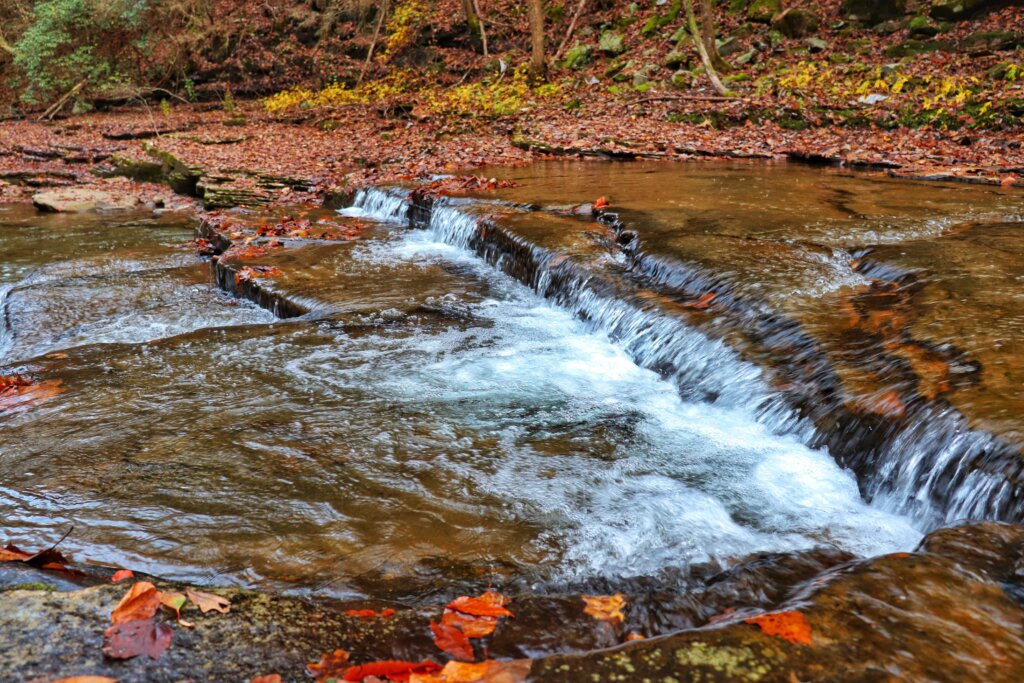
x: 763, y: 10
x: 681, y: 80
x: 795, y: 23
x: 923, y: 27
x: 616, y: 67
x: 871, y: 12
x: 611, y: 43
x: 578, y: 56
x: 956, y: 10
x: 987, y: 41
x: 675, y: 60
x: 913, y: 47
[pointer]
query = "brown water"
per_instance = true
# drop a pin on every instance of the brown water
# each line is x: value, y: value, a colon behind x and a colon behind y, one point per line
x: 434, y: 421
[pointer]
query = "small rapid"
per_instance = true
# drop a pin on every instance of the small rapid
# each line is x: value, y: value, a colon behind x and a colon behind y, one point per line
x: 935, y: 469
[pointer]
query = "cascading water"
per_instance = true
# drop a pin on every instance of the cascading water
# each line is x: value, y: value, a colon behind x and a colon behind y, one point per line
x: 937, y: 469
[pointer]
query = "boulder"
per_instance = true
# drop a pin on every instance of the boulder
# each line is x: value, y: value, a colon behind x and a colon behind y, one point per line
x: 990, y: 41
x: 795, y: 23
x: 79, y: 200
x: 923, y: 27
x: 578, y: 57
x: 955, y: 10
x: 611, y: 43
x: 871, y: 12
x: 815, y: 44
x: 764, y: 10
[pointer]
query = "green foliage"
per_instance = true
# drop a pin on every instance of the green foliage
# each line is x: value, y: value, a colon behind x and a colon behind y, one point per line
x: 70, y: 41
x: 165, y: 107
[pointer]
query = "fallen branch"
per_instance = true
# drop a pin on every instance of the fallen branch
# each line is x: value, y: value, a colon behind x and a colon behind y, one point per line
x: 695, y: 98
x: 373, y: 45
x: 572, y: 27
x: 59, y: 104
x: 480, y: 24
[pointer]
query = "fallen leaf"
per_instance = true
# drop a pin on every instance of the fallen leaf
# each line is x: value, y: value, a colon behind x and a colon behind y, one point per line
x: 633, y: 636
x: 789, y: 625
x: 452, y: 640
x: 605, y: 607
x: 87, y: 679
x: 488, y: 604
x: 269, y: 678
x: 601, y: 203
x: 121, y: 575
x: 702, y: 303
x: 391, y: 669
x: 369, y: 613
x: 140, y: 602
x: 491, y: 671
x: 473, y: 627
x: 134, y: 638
x: 208, y: 601
x: 175, y: 601
x: 331, y: 665
x: 20, y: 393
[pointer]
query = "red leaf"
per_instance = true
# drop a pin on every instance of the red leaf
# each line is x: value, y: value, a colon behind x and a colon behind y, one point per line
x: 134, y: 638
x: 601, y: 203
x: 369, y: 613
x: 269, y: 678
x: 391, y: 669
x: 121, y: 575
x: 452, y: 640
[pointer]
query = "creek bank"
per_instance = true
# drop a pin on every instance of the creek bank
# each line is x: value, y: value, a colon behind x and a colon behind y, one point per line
x: 950, y: 611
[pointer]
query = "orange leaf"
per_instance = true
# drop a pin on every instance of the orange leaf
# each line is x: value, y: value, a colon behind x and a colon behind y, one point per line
x: 605, y: 607
x: 17, y: 393
x: 87, y: 679
x: 269, y: 678
x: 473, y: 627
x: 601, y: 203
x: 452, y: 640
x: 140, y: 602
x: 391, y: 669
x: 789, y: 625
x: 208, y: 601
x: 331, y: 665
x: 491, y: 671
x: 121, y: 575
x: 488, y: 604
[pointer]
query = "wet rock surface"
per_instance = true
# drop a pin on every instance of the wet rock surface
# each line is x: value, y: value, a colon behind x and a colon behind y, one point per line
x: 80, y: 200
x: 950, y: 611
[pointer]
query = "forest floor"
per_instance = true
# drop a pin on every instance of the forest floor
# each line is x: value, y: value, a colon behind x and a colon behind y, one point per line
x: 361, y: 146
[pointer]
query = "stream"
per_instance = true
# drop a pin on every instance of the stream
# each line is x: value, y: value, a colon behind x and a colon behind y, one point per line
x: 501, y: 387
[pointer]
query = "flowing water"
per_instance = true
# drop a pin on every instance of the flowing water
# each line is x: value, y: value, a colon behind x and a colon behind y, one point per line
x: 434, y: 417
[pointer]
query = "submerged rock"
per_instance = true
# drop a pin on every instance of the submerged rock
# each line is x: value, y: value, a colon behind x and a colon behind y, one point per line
x: 78, y: 200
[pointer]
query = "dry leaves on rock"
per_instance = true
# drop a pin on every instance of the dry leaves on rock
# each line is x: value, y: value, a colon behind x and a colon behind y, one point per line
x: 331, y: 665
x: 249, y: 273
x: 87, y: 679
x: 605, y: 607
x: 367, y: 614
x: 138, y: 637
x: 452, y: 640
x: 490, y: 671
x: 208, y: 601
x: 121, y: 575
x: 140, y: 602
x: 18, y: 392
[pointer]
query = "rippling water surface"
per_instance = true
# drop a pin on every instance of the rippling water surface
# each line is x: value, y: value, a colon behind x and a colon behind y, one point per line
x: 442, y: 418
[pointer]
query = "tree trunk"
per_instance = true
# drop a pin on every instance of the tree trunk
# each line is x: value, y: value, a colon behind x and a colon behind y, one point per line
x: 707, y: 34
x: 538, y: 64
x: 705, y: 58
